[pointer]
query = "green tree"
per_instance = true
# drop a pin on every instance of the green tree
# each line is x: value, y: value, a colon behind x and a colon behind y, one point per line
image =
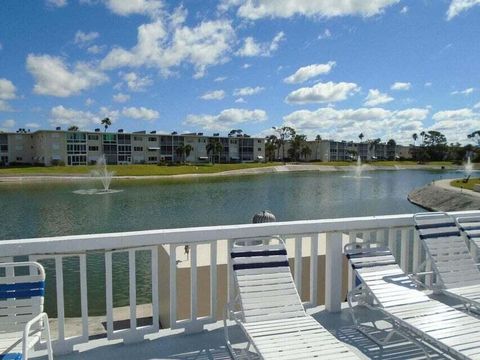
x: 106, y: 122
x: 475, y: 136
x: 188, y: 149
x: 214, y: 147
x: 73, y: 128
x: 436, y: 145
x: 285, y: 134
x: 415, y: 137
x: 270, y: 147
x: 296, y: 145
x: 305, y: 151
x: 361, y: 136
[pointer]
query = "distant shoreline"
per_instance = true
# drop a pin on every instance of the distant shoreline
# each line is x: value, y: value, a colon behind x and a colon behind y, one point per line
x: 239, y: 172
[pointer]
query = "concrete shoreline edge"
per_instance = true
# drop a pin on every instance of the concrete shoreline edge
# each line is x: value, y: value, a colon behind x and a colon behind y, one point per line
x: 239, y: 172
x: 441, y: 196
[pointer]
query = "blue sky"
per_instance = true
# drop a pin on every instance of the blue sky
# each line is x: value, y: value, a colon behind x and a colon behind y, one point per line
x: 387, y: 68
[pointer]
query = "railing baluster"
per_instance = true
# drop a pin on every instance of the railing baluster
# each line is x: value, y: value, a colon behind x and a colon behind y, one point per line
x: 352, y: 238
x: 405, y: 241
x: 84, y: 295
x: 230, y: 280
x: 109, y: 293
x: 417, y: 252
x: 213, y: 280
x: 298, y: 264
x: 173, y: 285
x: 60, y: 299
x: 132, y: 289
x: 333, y: 272
x: 193, y: 284
x: 314, y: 269
x: 392, y: 240
x: 155, y: 295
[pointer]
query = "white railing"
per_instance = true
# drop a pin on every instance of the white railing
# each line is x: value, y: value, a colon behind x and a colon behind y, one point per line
x: 305, y: 241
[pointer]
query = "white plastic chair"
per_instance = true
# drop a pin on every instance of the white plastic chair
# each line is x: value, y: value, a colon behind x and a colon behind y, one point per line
x: 22, y: 320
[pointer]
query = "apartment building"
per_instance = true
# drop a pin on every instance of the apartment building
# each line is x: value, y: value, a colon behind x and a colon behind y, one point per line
x: 331, y: 150
x: 49, y: 147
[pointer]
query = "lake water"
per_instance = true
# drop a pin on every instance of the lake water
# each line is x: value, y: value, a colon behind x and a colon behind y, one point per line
x: 48, y: 209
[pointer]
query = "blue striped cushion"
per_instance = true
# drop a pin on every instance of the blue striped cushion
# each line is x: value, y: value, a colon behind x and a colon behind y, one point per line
x: 12, y: 356
x: 22, y: 290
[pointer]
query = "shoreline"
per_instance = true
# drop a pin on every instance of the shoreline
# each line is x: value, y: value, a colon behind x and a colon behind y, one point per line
x: 441, y: 196
x: 239, y: 172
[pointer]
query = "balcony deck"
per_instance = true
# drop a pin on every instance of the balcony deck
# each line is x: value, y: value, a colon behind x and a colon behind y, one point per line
x: 210, y: 343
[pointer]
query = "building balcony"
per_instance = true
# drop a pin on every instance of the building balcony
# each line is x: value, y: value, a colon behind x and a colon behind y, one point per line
x: 141, y: 295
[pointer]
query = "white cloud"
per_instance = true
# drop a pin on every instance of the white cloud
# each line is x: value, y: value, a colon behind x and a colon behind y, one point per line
x: 227, y: 119
x: 4, y: 106
x: 476, y: 106
x: 428, y: 84
x: 248, y: 91
x: 220, y: 79
x: 463, y: 92
x: 255, y: 10
x: 140, y: 113
x: 375, y: 97
x: 404, y: 10
x: 32, y: 125
x: 240, y: 100
x: 121, y: 98
x: 96, y: 49
x: 89, y: 102
x: 136, y: 82
x: 246, y: 66
x: 143, y: 7
x: 346, y: 124
x: 168, y: 44
x: 82, y: 38
x: 9, y: 123
x: 322, y: 93
x: 456, y: 124
x: 401, y: 86
x: 213, y: 95
x: 252, y: 48
x: 326, y: 34
x: 53, y: 77
x: 308, y: 72
x: 62, y: 116
x: 458, y: 6
x: 7, y: 90
x: 56, y: 3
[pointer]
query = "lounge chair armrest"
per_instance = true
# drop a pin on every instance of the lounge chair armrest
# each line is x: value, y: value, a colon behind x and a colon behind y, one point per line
x: 26, y: 333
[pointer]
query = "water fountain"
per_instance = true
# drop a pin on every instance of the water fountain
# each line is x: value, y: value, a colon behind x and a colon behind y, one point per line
x: 358, y: 170
x: 468, y: 168
x: 100, y: 172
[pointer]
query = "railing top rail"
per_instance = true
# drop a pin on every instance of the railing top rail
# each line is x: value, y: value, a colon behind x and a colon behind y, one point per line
x: 121, y: 240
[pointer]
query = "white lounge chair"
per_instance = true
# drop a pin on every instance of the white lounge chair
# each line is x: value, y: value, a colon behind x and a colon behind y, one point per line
x: 22, y: 320
x: 456, y: 273
x: 412, y: 313
x: 470, y: 226
x: 271, y: 313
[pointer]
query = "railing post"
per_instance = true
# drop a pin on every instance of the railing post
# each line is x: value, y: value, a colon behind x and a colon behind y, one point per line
x: 333, y: 272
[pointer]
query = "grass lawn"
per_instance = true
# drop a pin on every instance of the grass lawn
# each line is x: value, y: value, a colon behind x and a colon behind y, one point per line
x: 132, y: 170
x: 469, y: 185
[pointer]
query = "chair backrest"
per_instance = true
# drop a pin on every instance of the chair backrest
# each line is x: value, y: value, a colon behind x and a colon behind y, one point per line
x: 22, y: 288
x: 264, y: 282
x: 453, y: 264
x: 378, y: 270
x: 470, y: 225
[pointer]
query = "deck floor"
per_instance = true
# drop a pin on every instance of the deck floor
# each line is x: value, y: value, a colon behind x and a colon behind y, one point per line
x: 210, y: 344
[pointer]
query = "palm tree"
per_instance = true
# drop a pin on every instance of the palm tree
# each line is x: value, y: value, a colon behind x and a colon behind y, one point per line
x: 214, y: 147
x: 415, y: 137
x: 318, y: 138
x: 73, y: 128
x: 285, y: 133
x: 305, y: 151
x: 106, y: 122
x: 187, y: 149
x: 180, y: 150
x: 361, y: 136
x: 422, y: 134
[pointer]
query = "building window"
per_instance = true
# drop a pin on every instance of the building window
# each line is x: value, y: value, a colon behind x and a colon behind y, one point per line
x: 137, y: 148
x: 92, y: 137
x: 259, y: 149
x: 3, y: 148
x: 137, y: 138
x: 19, y: 159
x: 152, y: 158
x: 152, y: 139
x: 93, y: 148
x: 259, y: 141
